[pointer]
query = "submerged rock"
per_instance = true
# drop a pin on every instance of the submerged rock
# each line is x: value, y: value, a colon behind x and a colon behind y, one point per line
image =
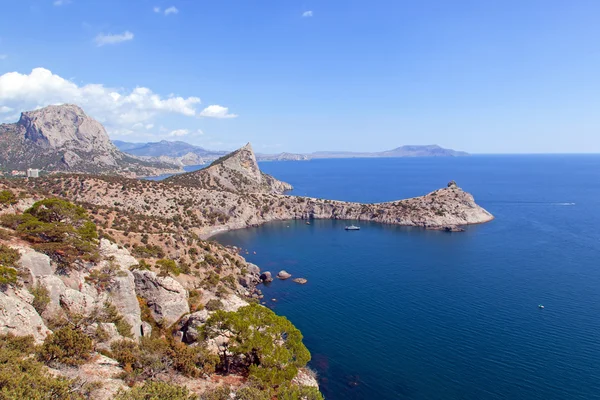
x: 301, y: 281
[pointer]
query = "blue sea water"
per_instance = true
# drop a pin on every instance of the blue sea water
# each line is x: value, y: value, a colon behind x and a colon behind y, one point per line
x: 404, y: 313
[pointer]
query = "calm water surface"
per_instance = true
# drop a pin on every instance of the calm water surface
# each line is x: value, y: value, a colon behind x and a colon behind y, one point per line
x: 404, y: 313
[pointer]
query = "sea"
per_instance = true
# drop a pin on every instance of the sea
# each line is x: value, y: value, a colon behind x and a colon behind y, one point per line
x: 395, y: 312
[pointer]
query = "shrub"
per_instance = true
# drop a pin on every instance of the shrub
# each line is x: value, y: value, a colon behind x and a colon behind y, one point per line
x: 59, y: 229
x: 294, y: 392
x: 252, y: 393
x: 153, y: 390
x: 7, y: 197
x: 22, y: 377
x: 8, y: 276
x: 149, y: 251
x: 105, y: 276
x: 67, y: 346
x: 41, y: 298
x: 220, y: 393
x: 168, y: 267
x: 214, y: 305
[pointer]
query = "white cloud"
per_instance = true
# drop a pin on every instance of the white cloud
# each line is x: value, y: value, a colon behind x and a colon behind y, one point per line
x: 3, y: 56
x: 104, y: 39
x: 179, y: 132
x: 121, y: 111
x: 171, y: 10
x: 216, y: 111
x: 306, y: 14
x: 59, y: 3
x: 156, y: 9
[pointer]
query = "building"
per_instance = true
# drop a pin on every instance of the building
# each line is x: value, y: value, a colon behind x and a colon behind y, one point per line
x: 15, y: 172
x: 33, y: 173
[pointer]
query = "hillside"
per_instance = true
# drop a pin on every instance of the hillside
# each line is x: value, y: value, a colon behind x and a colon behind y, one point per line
x: 64, y: 139
x: 235, y: 172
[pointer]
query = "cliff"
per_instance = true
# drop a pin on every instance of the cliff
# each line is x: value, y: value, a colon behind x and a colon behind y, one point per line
x: 63, y: 138
x: 235, y: 172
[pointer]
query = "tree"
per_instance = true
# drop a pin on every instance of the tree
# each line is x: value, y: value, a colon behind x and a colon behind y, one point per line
x: 267, y: 345
x: 153, y: 390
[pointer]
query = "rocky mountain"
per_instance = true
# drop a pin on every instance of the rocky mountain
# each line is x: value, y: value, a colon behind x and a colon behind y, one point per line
x: 64, y: 138
x: 235, y: 172
x: 182, y: 153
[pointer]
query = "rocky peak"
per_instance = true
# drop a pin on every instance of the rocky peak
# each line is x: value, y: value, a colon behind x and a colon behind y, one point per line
x: 65, y: 127
x: 237, y: 171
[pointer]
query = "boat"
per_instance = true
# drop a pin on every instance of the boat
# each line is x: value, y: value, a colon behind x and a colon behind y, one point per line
x: 307, y: 223
x: 540, y: 306
x: 352, y: 228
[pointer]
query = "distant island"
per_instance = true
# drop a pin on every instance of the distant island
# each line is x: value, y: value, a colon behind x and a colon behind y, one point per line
x: 183, y: 154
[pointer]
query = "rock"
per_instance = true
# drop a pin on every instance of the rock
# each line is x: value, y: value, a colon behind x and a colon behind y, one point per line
x: 306, y: 377
x: 146, y: 329
x: 122, y: 294
x: 284, y: 274
x: 237, y: 171
x: 189, y: 325
x: 266, y: 277
x: 121, y: 256
x: 38, y: 264
x: 253, y: 269
x: 167, y: 299
x: 232, y: 303
x: 452, y: 184
x: 301, y: 281
x: 56, y: 287
x: 76, y: 302
x: 19, y: 317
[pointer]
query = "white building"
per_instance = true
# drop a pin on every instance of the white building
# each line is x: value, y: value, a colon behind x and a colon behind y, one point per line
x: 33, y: 173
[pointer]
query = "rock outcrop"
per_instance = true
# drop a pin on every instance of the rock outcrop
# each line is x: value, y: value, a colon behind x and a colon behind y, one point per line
x: 17, y: 315
x: 266, y: 277
x: 235, y: 172
x: 167, y: 299
x: 284, y: 275
x: 64, y: 138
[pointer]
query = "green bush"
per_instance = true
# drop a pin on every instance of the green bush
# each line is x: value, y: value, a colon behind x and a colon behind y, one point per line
x: 153, y: 390
x: 59, y: 229
x: 220, y: 393
x: 22, y: 377
x: 7, y: 197
x: 67, y: 346
x: 214, y: 305
x: 41, y: 298
x: 8, y: 261
x: 252, y: 393
x: 268, y: 345
x: 294, y: 392
x: 168, y: 267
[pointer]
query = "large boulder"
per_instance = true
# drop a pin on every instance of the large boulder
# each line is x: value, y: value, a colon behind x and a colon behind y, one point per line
x: 56, y: 287
x: 17, y: 315
x: 284, y: 274
x: 35, y: 264
x: 122, y: 294
x: 266, y: 277
x: 76, y: 302
x: 189, y: 325
x: 167, y: 299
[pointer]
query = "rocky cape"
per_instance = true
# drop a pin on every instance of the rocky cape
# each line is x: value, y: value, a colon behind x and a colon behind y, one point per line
x: 64, y: 139
x: 233, y: 193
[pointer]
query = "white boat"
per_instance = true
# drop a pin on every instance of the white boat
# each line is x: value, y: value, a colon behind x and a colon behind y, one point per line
x: 352, y: 228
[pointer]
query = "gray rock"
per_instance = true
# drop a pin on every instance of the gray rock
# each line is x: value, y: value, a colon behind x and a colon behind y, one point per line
x: 266, y: 277
x: 123, y: 295
x: 189, y: 325
x: 284, y: 274
x: 301, y: 281
x: 56, y: 287
x: 167, y: 299
x: 76, y: 302
x: 146, y: 329
x: 19, y: 317
x: 38, y: 264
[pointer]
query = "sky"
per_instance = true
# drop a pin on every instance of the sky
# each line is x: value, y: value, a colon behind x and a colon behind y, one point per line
x: 495, y: 76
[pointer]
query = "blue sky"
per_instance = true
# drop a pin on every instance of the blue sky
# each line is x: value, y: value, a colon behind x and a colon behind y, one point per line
x: 482, y: 76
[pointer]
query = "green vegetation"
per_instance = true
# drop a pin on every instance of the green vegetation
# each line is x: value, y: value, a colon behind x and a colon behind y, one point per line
x: 168, y: 267
x: 153, y: 390
x: 41, y: 298
x: 214, y: 305
x: 149, y: 251
x: 8, y: 261
x: 67, y: 346
x: 268, y: 346
x: 7, y: 197
x: 57, y: 228
x: 152, y: 356
x: 22, y: 377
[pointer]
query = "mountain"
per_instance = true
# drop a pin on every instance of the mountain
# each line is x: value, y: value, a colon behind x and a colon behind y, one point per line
x: 182, y: 153
x: 64, y: 138
x: 234, y: 172
x: 403, y: 151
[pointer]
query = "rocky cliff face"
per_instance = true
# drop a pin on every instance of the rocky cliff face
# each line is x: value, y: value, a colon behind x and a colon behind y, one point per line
x: 64, y: 138
x: 236, y: 172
